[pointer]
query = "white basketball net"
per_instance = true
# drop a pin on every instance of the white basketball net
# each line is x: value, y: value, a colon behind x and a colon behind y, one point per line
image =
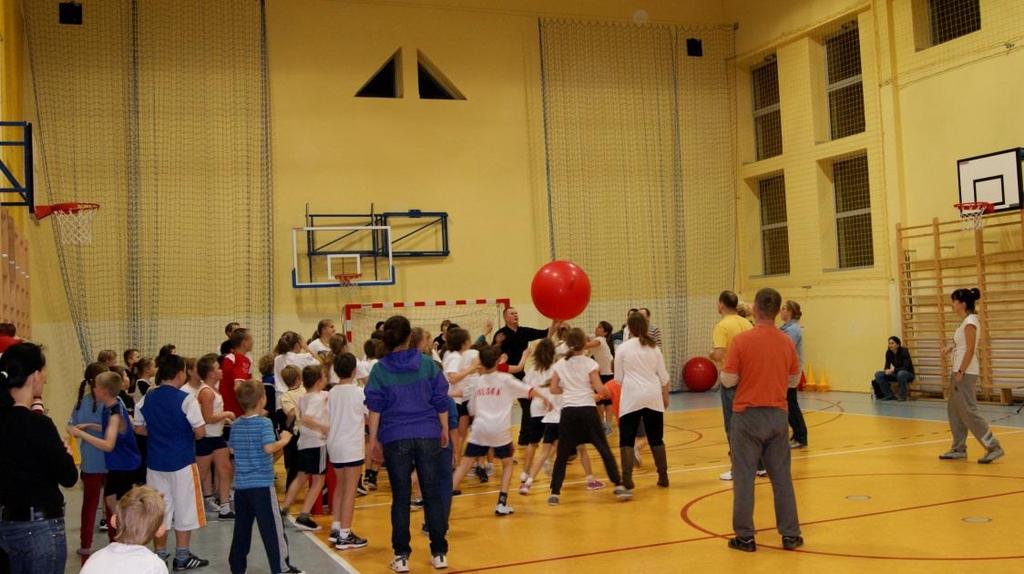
x: 75, y: 227
x: 971, y: 217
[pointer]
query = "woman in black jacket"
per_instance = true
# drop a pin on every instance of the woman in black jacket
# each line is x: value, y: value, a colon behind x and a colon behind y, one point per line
x: 35, y: 461
x: 899, y: 368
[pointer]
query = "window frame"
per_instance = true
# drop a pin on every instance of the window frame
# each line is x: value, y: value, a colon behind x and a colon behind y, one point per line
x: 831, y: 87
x: 840, y: 215
x: 758, y: 113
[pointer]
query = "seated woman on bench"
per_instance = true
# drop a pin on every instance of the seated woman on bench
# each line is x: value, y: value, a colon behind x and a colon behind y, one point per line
x: 899, y: 368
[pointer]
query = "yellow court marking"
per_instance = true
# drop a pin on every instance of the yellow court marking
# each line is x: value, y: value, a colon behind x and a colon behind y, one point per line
x: 870, y: 489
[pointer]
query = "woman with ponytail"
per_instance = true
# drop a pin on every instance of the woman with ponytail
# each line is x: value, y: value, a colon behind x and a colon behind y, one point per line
x: 962, y: 406
x: 35, y: 463
x: 88, y: 415
x: 320, y: 344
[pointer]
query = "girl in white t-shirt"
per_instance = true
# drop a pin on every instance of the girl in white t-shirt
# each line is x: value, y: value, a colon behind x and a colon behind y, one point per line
x: 346, y: 448
x: 320, y: 344
x: 576, y: 378
x: 640, y: 370
x: 313, y: 425
x: 291, y: 350
x: 600, y: 348
x: 963, y: 402
x: 212, y: 449
x: 458, y: 372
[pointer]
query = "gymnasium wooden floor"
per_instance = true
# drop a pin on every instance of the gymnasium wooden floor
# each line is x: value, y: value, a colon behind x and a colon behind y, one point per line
x: 871, y: 491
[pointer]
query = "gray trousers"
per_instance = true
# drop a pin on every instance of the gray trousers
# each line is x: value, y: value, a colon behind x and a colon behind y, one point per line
x: 762, y: 433
x: 962, y: 408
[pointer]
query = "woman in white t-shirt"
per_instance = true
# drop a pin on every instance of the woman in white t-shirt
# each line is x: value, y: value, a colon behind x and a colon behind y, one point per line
x: 576, y: 378
x: 962, y: 406
x: 640, y: 370
x: 291, y: 350
x: 600, y: 348
x: 320, y: 344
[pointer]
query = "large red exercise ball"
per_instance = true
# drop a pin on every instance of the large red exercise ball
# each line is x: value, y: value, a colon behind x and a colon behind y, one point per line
x: 699, y: 374
x: 560, y: 290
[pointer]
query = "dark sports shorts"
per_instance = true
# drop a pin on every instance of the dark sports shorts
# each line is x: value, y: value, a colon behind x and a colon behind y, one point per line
x: 119, y: 482
x: 475, y: 450
x: 463, y: 409
x: 550, y: 433
x: 312, y: 460
x: 605, y: 379
x: 533, y: 432
x: 347, y: 464
x: 206, y: 445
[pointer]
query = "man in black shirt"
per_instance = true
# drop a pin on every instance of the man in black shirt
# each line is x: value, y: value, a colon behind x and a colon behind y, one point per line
x: 514, y: 340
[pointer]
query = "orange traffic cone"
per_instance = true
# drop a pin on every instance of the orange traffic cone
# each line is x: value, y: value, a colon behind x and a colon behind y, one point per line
x: 811, y: 385
x: 823, y: 384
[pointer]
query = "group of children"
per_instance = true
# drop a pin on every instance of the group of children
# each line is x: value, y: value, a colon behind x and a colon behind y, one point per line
x: 207, y: 430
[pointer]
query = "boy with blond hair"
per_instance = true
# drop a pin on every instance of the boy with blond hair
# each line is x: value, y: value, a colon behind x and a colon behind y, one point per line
x: 139, y: 519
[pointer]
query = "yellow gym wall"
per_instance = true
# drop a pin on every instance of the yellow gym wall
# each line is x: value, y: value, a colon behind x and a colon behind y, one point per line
x: 924, y: 109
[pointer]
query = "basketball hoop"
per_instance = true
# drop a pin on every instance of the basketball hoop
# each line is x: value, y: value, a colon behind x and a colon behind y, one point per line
x: 972, y: 212
x: 345, y: 279
x: 74, y: 220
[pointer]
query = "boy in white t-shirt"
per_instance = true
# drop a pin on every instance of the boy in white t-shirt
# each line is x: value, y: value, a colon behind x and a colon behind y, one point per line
x: 139, y: 518
x: 346, y: 446
x: 491, y: 398
x: 311, y: 460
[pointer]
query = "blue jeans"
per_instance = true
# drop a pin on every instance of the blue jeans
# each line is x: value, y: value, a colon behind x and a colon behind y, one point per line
x: 38, y: 547
x: 902, y: 378
x: 425, y: 456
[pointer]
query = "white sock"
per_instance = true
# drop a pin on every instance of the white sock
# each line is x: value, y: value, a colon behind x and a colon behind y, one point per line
x: 523, y: 476
x: 345, y: 532
x: 590, y: 478
x: 335, y: 526
x: 225, y: 508
x: 529, y: 481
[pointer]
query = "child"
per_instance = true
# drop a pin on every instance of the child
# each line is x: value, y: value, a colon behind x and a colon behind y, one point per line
x: 107, y: 358
x: 537, y: 376
x: 491, y: 400
x: 576, y: 377
x: 235, y: 366
x: 289, y: 402
x: 252, y: 441
x: 139, y: 518
x: 212, y: 449
x: 120, y: 453
x: 145, y: 370
x: 600, y: 348
x: 266, y: 368
x: 458, y: 343
x: 87, y: 416
x: 312, y: 449
x: 172, y: 421
x: 346, y: 447
x: 291, y: 350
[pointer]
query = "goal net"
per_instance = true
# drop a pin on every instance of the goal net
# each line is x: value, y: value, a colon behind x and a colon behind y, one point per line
x: 469, y: 314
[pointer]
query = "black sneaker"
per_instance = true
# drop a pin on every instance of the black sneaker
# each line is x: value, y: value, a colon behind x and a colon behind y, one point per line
x: 190, y: 563
x: 103, y: 525
x: 292, y: 570
x: 792, y: 542
x: 226, y: 515
x: 481, y: 473
x: 335, y: 537
x: 416, y: 504
x: 306, y: 523
x: 456, y: 492
x: 744, y: 544
x: 361, y: 490
x: 351, y: 541
x: 371, y: 480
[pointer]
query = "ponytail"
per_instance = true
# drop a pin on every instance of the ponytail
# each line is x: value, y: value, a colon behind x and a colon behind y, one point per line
x: 576, y: 340
x: 89, y: 379
x: 967, y: 297
x: 637, y: 324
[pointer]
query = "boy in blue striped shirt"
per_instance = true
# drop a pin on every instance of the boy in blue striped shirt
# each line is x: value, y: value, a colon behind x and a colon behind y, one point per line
x: 254, y: 445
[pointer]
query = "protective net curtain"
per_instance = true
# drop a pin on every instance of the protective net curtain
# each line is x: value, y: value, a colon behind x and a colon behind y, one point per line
x: 158, y: 110
x: 639, y: 146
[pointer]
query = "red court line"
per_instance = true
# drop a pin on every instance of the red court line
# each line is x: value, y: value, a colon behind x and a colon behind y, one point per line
x: 685, y: 516
x: 582, y: 554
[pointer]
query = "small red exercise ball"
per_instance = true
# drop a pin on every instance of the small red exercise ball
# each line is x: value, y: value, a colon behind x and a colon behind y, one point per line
x: 699, y: 374
x: 560, y: 290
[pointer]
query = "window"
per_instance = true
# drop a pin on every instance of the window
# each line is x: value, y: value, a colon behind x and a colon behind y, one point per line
x: 433, y: 84
x: 853, y: 212
x: 386, y: 82
x: 845, y: 89
x: 950, y: 19
x: 767, y: 118
x: 774, y: 228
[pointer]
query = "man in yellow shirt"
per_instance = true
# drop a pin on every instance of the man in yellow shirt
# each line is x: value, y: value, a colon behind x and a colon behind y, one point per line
x: 730, y: 325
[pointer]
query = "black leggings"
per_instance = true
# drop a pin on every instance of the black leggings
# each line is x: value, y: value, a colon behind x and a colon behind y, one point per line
x: 653, y: 422
x: 580, y: 425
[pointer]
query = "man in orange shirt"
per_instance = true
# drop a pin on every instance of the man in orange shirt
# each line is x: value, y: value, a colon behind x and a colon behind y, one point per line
x: 761, y: 363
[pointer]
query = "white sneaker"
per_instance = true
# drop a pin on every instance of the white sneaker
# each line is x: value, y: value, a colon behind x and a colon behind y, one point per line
x: 211, y: 504
x: 524, y: 488
x: 523, y: 476
x: 400, y: 564
x: 439, y: 562
x: 503, y: 509
x: 490, y: 469
x: 762, y: 473
x: 727, y: 475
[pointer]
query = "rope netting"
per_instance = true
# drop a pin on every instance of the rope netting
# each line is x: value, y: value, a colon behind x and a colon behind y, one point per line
x: 640, y: 151
x: 159, y: 111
